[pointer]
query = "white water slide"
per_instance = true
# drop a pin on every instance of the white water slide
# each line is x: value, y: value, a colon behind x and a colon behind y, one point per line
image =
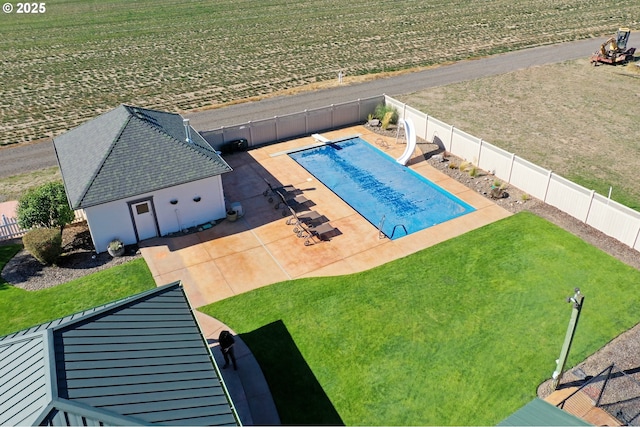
x: 410, y: 135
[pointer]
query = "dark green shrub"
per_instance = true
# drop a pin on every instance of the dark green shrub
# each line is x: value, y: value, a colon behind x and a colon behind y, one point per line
x: 383, y: 110
x: 44, y: 206
x: 45, y: 244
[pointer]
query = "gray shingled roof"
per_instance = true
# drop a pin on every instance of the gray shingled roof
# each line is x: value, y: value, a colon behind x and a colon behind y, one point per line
x: 131, y: 151
x: 138, y: 361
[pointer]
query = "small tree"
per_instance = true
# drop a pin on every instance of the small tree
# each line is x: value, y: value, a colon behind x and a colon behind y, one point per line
x: 45, y: 206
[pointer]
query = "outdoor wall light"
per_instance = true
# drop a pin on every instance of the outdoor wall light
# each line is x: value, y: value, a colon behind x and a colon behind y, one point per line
x: 197, y: 199
x: 174, y: 201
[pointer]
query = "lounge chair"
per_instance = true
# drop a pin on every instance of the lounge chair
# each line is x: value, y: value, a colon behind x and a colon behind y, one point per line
x: 322, y: 232
x: 306, y: 221
x: 272, y: 191
x: 291, y: 201
x: 305, y: 217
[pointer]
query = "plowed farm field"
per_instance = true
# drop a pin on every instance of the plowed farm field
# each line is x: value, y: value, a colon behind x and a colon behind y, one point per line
x: 79, y: 58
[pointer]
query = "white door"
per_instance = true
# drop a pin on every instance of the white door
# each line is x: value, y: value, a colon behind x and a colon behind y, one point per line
x: 145, y: 221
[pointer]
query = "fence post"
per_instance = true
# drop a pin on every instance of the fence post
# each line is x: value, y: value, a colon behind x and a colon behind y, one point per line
x: 275, y: 122
x: 451, y: 140
x: 250, y: 132
x: 546, y: 190
x: 635, y: 241
x: 586, y: 217
x: 332, y: 114
x: 306, y: 121
x: 513, y: 160
x: 4, y: 220
x: 426, y: 128
x: 479, y: 151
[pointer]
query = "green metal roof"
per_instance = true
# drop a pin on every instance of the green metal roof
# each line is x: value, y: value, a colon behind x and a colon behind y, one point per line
x: 130, y: 151
x: 138, y: 361
x: 541, y: 413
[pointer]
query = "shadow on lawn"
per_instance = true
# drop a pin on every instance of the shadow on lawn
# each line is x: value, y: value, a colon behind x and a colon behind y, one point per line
x: 296, y: 392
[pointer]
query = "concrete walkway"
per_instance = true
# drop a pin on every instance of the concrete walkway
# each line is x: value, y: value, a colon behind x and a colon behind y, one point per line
x: 260, y: 248
x: 247, y: 386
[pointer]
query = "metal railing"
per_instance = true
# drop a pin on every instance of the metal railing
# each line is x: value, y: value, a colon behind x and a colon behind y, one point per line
x: 589, y: 382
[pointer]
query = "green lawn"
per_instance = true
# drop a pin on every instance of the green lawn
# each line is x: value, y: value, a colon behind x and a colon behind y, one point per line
x: 22, y: 309
x: 458, y: 334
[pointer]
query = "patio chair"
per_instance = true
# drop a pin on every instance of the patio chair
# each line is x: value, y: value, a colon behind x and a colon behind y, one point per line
x: 323, y: 232
x: 272, y: 191
x: 300, y: 222
x: 291, y: 201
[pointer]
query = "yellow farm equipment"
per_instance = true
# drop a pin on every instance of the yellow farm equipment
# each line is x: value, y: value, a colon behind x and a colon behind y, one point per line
x: 614, y: 51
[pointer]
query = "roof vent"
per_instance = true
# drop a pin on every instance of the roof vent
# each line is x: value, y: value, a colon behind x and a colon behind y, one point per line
x: 187, y: 131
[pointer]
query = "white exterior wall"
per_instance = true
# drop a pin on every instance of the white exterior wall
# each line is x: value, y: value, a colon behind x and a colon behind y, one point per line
x: 113, y: 220
x: 110, y: 221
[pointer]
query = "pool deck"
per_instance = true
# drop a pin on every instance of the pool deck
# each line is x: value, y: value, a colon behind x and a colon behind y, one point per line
x: 260, y: 249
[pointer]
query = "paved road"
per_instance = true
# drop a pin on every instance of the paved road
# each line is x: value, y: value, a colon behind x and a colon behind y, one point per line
x: 24, y: 158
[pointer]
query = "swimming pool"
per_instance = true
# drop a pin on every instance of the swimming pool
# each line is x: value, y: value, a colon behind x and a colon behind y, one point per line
x: 390, y: 196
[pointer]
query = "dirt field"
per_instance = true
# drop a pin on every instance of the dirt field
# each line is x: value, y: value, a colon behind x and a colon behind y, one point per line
x: 578, y: 120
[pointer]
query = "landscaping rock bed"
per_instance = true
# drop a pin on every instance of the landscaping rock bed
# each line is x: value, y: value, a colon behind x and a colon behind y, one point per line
x: 78, y: 260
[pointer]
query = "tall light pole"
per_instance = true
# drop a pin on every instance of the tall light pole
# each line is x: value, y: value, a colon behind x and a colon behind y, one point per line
x: 578, y: 300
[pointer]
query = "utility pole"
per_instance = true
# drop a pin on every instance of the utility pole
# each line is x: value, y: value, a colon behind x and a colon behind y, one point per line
x: 578, y: 300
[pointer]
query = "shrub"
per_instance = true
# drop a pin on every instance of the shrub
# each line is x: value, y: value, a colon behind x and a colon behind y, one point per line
x: 383, y: 110
x: 464, y: 166
x: 45, y: 244
x: 116, y: 245
x: 44, y: 206
x: 473, y: 171
x: 386, y: 120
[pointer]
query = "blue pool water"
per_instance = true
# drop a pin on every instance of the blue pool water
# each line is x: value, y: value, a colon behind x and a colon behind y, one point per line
x: 377, y: 186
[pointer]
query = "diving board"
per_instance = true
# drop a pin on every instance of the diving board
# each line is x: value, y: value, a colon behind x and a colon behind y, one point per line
x: 410, y: 135
x: 320, y: 138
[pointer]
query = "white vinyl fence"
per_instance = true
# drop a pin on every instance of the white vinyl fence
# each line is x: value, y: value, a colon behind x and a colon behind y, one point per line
x: 608, y: 216
x: 304, y: 123
x: 9, y: 228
